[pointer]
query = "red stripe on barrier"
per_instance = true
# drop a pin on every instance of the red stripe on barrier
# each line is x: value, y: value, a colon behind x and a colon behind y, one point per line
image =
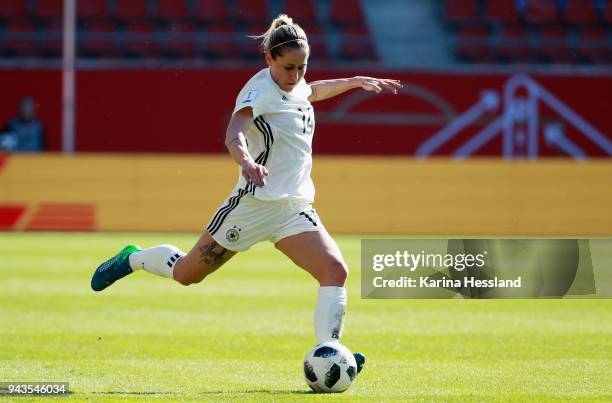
x: 63, y: 217
x: 3, y: 161
x: 9, y: 215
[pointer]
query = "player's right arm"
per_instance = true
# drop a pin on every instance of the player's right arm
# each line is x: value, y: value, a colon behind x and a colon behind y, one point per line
x: 235, y: 142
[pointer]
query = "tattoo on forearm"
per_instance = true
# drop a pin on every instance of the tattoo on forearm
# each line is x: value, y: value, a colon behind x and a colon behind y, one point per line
x: 212, y: 254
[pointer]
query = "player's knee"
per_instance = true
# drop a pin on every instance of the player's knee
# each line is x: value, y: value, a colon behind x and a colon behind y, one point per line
x: 336, y: 273
x: 187, y: 277
x: 182, y: 277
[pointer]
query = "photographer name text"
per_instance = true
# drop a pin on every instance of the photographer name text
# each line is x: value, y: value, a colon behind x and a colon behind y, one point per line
x: 427, y: 282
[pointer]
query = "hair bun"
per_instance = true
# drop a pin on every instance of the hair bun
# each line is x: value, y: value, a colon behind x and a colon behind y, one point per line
x: 290, y: 35
x: 282, y: 19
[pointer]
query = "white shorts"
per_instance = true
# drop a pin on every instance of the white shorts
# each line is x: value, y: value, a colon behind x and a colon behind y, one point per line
x: 243, y: 220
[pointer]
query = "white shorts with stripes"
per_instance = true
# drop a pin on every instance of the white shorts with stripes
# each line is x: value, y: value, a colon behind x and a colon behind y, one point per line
x: 243, y: 220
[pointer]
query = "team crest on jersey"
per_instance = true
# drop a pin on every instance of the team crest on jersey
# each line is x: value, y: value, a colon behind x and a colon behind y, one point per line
x: 250, y: 96
x: 233, y: 234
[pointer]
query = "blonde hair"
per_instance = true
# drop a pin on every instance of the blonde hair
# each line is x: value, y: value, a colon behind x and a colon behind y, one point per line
x: 283, y: 33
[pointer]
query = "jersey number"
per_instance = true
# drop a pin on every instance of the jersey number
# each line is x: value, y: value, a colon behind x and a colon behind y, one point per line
x: 307, y: 120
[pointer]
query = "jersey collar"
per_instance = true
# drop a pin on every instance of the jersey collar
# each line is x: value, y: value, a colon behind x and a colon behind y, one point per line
x: 279, y: 89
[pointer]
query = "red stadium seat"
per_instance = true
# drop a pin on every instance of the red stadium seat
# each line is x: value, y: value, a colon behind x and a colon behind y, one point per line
x: 581, y: 12
x: 318, y: 44
x: 541, y: 12
x: 356, y: 44
x: 14, y: 10
x: 131, y: 9
x: 594, y: 46
x: 553, y: 46
x: 607, y: 13
x: 180, y: 40
x: 51, y: 43
x: 256, y: 28
x: 250, y: 51
x: 513, y: 45
x: 49, y: 9
x: 303, y: 11
x: 98, y: 39
x: 473, y: 44
x: 19, y: 40
x: 140, y: 40
x: 461, y: 11
x: 221, y: 42
x: 172, y: 9
x: 319, y: 52
x: 346, y: 12
x: 92, y: 9
x: 211, y: 11
x: 250, y: 48
x: 503, y: 11
x: 252, y: 11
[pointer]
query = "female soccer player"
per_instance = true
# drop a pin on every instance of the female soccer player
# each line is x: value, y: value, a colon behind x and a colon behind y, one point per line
x: 269, y: 136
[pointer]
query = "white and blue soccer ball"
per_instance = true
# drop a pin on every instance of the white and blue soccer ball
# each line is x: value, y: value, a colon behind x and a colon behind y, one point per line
x: 330, y: 367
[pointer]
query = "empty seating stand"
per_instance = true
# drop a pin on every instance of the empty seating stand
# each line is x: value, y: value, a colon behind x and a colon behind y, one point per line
x: 252, y: 12
x: 462, y: 12
x: 221, y: 42
x: 553, y: 46
x: 180, y: 40
x: 593, y: 46
x: 98, y: 39
x: 344, y: 13
x: 530, y: 31
x: 356, y: 44
x: 581, y: 13
x: 49, y: 45
x: 14, y: 11
x: 140, y: 40
x: 513, y: 45
x: 302, y: 11
x: 48, y: 9
x: 171, y: 11
x: 207, y: 12
x: 474, y: 44
x: 19, y: 40
x: 502, y: 12
x: 541, y: 13
x: 132, y: 11
x: 93, y: 12
x: 181, y: 29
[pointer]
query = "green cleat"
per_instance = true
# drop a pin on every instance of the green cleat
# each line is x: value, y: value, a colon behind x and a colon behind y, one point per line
x: 360, y: 359
x: 113, y: 269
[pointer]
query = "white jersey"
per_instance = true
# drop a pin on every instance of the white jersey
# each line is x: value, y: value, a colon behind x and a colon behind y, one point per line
x: 279, y: 138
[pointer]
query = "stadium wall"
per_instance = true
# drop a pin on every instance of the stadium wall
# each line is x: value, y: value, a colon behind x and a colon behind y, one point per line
x: 105, y: 192
x: 187, y: 110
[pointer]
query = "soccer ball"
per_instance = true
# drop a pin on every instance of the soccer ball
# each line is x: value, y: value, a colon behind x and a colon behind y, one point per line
x: 330, y: 367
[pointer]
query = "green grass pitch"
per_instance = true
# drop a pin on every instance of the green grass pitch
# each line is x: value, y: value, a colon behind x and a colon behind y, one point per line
x: 241, y: 334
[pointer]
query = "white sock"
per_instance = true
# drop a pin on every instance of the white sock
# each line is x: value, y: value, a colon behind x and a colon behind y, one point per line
x: 329, y: 314
x: 159, y: 260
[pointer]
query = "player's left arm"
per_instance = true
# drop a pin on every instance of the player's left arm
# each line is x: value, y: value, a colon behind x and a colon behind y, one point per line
x: 325, y: 89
